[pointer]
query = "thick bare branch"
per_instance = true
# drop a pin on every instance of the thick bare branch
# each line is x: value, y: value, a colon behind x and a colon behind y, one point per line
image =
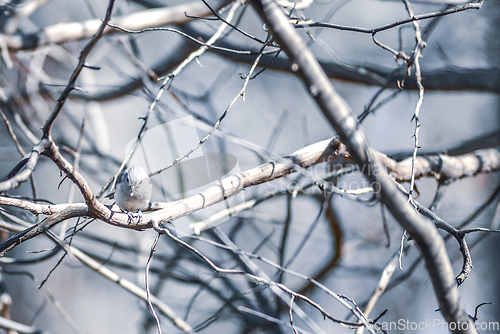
x: 17, y: 327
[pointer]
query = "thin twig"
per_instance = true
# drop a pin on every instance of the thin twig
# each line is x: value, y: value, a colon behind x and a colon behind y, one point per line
x: 244, y: 33
x: 270, y: 319
x: 325, y: 203
x: 76, y: 73
x: 291, y: 315
x: 384, y: 280
x: 12, y: 134
x: 24, y: 169
x: 206, y: 45
x: 146, y: 278
x: 216, y: 125
x: 420, y: 44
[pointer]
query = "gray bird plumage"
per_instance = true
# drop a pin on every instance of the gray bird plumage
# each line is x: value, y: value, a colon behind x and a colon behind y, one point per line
x: 133, y: 189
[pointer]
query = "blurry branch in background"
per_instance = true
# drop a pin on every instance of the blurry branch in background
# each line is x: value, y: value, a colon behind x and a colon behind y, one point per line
x: 21, y: 13
x: 17, y: 327
x: 62, y: 32
x: 131, y: 287
x: 440, y: 79
x: 298, y: 23
x: 384, y: 280
x: 296, y: 5
x: 447, y: 79
x: 482, y: 141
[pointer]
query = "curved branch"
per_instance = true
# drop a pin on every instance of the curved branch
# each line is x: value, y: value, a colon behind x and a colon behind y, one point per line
x: 27, y: 165
x: 337, y: 236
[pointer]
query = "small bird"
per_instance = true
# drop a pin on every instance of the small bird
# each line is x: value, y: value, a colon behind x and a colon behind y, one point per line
x: 133, y: 191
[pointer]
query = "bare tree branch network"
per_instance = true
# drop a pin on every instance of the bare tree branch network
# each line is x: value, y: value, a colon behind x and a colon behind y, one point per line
x: 317, y: 167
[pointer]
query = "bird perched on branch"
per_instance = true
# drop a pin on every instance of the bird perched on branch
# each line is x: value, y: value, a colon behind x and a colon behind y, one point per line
x: 133, y: 191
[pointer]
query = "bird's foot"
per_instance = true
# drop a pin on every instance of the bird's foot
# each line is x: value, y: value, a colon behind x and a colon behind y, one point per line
x: 134, y: 216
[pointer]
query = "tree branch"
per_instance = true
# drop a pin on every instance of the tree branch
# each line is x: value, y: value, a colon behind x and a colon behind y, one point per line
x: 373, y: 31
x: 442, y: 166
x: 73, y: 31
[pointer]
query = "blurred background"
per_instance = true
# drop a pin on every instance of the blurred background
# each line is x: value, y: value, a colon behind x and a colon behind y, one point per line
x: 341, y: 243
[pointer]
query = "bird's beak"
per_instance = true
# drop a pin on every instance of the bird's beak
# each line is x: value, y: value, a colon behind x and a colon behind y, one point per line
x: 132, y: 189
